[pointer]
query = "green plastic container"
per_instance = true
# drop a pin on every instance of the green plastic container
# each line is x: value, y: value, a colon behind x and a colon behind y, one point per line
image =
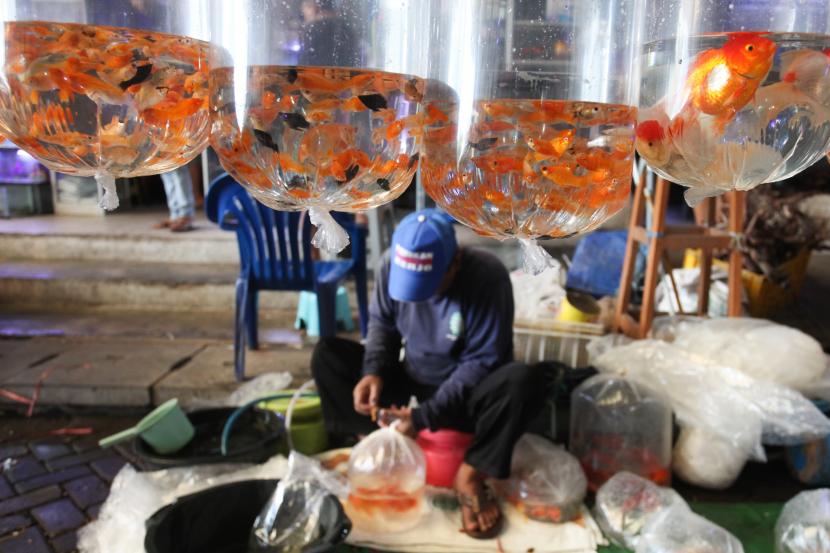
x: 166, y: 429
x: 308, y: 430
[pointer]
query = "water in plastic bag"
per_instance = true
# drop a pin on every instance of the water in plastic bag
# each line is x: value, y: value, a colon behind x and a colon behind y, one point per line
x: 804, y: 524
x: 387, y: 478
x: 546, y: 482
x: 626, y: 503
x: 620, y: 425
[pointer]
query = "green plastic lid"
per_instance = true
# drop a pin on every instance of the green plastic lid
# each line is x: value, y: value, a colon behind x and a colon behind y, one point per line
x: 305, y: 408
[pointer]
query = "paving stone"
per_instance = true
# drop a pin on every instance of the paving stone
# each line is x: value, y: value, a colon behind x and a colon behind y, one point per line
x: 48, y: 479
x: 17, y: 356
x: 79, y: 459
x: 29, y: 500
x: 209, y: 375
x: 13, y: 523
x: 94, y: 511
x: 5, y: 490
x: 105, y: 372
x: 66, y: 543
x: 28, y: 541
x: 59, y: 517
x: 109, y: 467
x: 46, y: 451
x: 24, y: 468
x: 85, y: 444
x: 12, y: 451
x: 87, y: 491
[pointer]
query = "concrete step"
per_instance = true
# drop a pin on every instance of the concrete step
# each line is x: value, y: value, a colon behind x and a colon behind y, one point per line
x: 135, y: 285
x: 122, y: 237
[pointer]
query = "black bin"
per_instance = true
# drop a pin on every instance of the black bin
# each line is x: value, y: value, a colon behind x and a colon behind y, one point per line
x: 219, y: 520
x: 256, y: 437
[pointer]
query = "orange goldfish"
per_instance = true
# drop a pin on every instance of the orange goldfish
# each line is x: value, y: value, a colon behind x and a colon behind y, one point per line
x: 499, y: 163
x: 723, y: 80
x: 554, y: 147
x: 346, y: 165
x: 652, y: 143
x: 435, y: 115
x: 562, y: 175
x: 165, y: 112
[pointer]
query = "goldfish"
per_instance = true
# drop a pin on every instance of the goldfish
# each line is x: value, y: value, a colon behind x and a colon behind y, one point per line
x: 555, y: 146
x: 723, y: 80
x: 499, y: 163
x: 394, y: 130
x: 162, y: 114
x: 498, y: 109
x: 346, y: 165
x: 495, y: 126
x: 435, y: 115
x: 71, y: 82
x: 563, y: 175
x: 323, y: 140
x: 652, y: 143
x: 809, y: 72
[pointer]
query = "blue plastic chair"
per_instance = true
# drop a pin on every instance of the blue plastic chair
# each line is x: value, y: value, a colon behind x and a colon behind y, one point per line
x: 275, y: 254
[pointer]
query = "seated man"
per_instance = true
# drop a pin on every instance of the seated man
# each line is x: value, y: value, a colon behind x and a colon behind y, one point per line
x: 452, y: 309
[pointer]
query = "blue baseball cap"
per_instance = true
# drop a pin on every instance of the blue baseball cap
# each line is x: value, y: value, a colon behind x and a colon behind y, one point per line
x: 423, y: 247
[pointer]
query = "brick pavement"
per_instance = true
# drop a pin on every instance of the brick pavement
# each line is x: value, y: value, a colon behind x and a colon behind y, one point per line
x: 51, y: 488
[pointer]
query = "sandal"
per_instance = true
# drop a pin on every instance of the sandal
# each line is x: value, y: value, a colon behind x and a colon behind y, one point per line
x: 477, y: 504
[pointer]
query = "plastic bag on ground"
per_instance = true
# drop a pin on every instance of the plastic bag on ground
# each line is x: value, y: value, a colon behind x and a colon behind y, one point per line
x: 599, y: 345
x: 330, y: 236
x: 804, y: 524
x: 626, y: 503
x: 618, y: 424
x: 261, y: 386
x: 679, y: 530
x: 546, y: 482
x: 289, y: 521
x: 387, y: 478
x: 759, y: 348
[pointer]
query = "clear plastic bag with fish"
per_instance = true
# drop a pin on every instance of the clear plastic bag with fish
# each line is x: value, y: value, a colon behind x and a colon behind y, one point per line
x: 619, y: 424
x: 626, y: 503
x: 546, y: 482
x: 804, y: 524
x: 387, y: 479
x: 330, y: 124
x: 290, y: 519
x: 677, y: 529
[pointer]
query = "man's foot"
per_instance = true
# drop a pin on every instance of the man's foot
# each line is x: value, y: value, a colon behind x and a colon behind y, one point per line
x: 182, y: 224
x: 481, y: 517
x: 162, y: 224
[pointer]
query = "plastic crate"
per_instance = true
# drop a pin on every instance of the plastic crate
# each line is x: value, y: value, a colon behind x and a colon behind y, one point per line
x: 551, y: 340
x: 597, y: 263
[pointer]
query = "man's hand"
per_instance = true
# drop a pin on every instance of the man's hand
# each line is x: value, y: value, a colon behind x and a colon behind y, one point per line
x: 403, y: 416
x: 367, y: 394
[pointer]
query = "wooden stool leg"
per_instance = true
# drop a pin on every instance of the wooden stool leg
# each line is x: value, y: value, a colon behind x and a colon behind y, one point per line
x: 631, y: 247
x: 655, y: 255
x: 706, y: 219
x: 737, y: 210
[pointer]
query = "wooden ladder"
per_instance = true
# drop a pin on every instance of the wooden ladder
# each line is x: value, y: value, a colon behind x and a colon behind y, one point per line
x: 661, y: 239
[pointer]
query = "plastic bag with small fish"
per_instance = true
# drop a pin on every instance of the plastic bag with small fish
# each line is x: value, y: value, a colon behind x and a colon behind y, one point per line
x: 531, y: 149
x: 804, y: 524
x: 98, y: 101
x: 546, y: 482
x: 626, y: 503
x: 330, y: 124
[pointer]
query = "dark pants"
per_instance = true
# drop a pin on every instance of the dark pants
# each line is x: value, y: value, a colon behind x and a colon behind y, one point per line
x: 497, y: 411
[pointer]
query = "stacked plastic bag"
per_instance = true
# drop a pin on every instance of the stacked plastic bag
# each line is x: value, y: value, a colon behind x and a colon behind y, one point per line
x: 639, y: 515
x: 756, y: 347
x: 804, y: 524
x: 725, y: 415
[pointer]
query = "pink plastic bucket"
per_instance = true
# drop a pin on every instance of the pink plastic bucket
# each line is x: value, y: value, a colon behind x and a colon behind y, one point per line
x: 444, y: 451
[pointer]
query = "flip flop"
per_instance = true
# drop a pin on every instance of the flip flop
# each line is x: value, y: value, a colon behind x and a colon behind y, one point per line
x: 477, y: 504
